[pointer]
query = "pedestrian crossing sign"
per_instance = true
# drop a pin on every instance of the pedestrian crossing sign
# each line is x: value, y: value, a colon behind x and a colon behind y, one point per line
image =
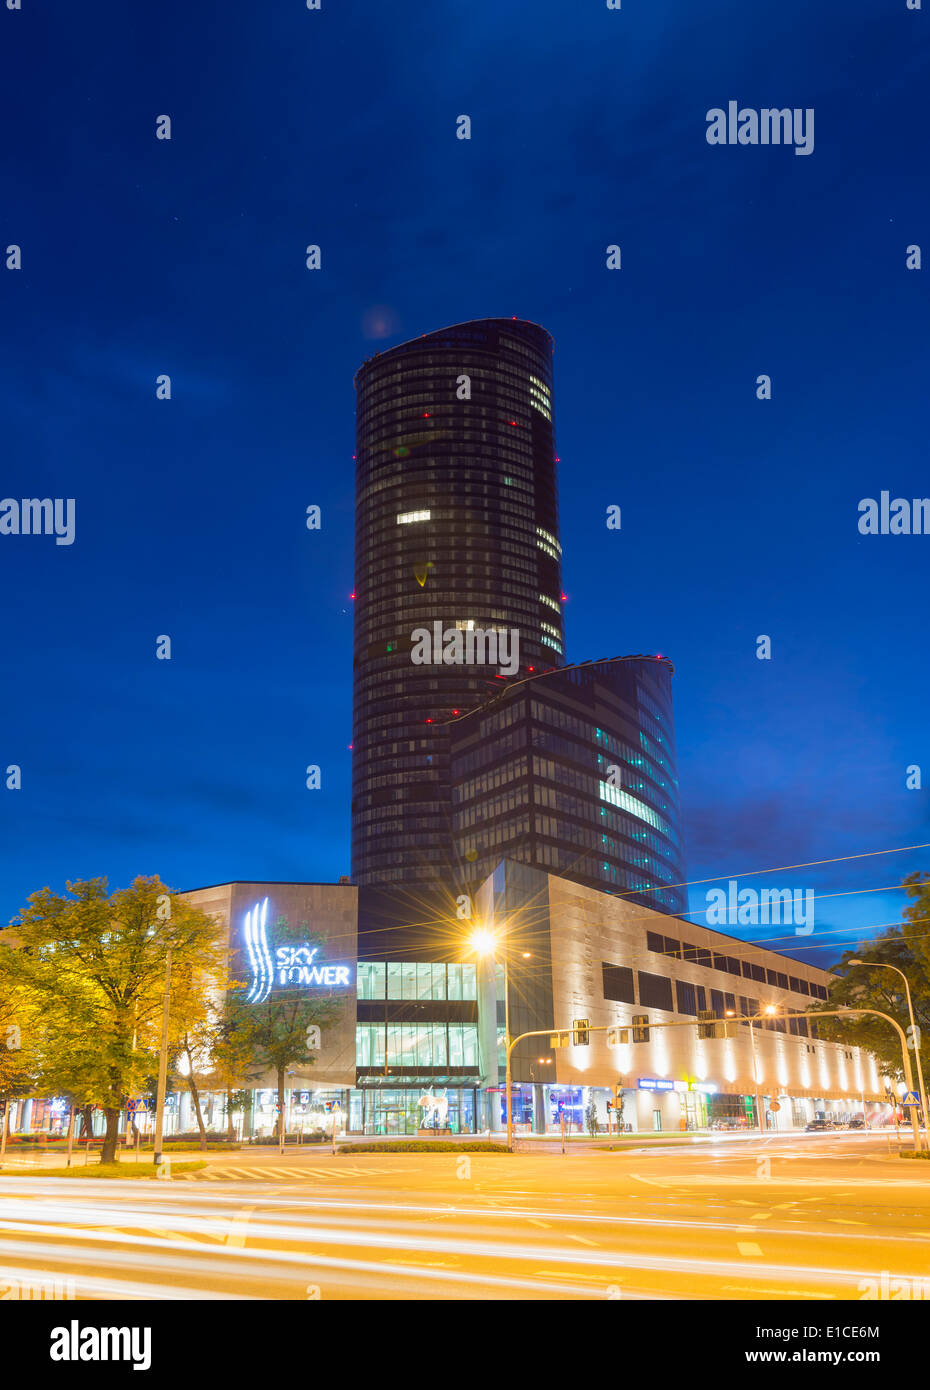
x: 910, y: 1099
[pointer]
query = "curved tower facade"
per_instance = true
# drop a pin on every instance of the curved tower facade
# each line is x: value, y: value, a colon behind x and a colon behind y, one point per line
x: 574, y: 771
x: 457, y: 571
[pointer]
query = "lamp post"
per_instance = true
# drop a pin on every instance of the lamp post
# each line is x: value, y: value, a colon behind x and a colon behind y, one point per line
x: 163, y: 1062
x: 484, y: 943
x: 915, y: 1034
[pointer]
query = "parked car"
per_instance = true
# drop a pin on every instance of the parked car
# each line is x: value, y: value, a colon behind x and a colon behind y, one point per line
x: 820, y: 1124
x: 857, y: 1122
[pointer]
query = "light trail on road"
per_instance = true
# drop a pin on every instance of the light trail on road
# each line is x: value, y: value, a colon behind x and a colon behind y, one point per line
x: 602, y: 1226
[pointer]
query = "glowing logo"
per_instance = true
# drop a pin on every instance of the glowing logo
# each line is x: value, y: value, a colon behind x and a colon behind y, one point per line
x: 293, y: 965
x: 256, y: 943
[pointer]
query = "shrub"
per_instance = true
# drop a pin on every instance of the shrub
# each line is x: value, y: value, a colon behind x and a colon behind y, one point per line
x: 192, y: 1136
x: 316, y: 1138
x: 425, y: 1146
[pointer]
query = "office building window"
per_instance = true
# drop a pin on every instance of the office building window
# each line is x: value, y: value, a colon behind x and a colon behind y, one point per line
x: 655, y: 991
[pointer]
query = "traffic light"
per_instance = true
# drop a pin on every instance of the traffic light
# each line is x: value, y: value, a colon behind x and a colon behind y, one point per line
x: 610, y: 1106
x: 580, y: 1035
x: 710, y: 1025
x: 640, y: 1028
x: 618, y: 1037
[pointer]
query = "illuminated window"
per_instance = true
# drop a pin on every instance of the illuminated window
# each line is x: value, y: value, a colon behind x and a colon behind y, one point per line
x: 617, y: 796
x: 404, y: 518
x: 539, y: 396
x: 548, y: 543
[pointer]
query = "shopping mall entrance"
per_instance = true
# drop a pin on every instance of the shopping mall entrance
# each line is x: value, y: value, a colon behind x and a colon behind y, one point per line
x: 397, y: 1110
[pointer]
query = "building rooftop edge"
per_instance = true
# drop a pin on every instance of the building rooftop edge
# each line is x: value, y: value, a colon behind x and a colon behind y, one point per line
x: 464, y: 323
x: 553, y: 670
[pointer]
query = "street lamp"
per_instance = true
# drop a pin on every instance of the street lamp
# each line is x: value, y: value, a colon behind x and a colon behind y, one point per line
x: 484, y: 943
x: 163, y: 1062
x: 915, y: 1033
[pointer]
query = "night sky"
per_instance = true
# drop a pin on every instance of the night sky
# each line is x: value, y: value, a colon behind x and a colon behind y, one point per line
x: 739, y: 517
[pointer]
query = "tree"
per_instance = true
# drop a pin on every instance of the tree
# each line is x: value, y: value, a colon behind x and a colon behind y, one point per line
x: 94, y: 963
x: 18, y: 1048
x: 274, y: 1034
x: 908, y: 948
x: 233, y: 1064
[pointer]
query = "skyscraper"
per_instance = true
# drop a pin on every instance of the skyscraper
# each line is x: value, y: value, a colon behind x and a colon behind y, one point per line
x: 574, y: 771
x: 456, y: 531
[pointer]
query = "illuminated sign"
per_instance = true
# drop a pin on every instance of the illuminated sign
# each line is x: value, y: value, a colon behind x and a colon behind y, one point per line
x: 293, y: 965
x: 651, y: 1083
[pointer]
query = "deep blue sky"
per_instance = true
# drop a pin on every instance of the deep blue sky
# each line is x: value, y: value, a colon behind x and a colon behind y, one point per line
x: 338, y: 127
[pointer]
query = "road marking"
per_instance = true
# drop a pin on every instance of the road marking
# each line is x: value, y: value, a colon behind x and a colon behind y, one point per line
x: 749, y: 1249
x: 546, y: 1225
x: 426, y: 1264
x: 236, y: 1237
x: 782, y: 1293
x: 582, y: 1241
x: 840, y: 1221
x: 761, y: 1216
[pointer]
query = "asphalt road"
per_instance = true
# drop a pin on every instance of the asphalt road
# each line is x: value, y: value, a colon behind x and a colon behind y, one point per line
x: 803, y: 1217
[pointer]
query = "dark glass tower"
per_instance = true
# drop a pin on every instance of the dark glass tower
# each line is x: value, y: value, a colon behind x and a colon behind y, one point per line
x: 457, y: 525
x: 574, y: 771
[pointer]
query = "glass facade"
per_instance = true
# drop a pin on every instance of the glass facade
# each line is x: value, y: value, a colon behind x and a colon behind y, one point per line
x: 417, y: 980
x: 435, y: 1047
x: 456, y: 524
x: 574, y: 771
x: 398, y: 1110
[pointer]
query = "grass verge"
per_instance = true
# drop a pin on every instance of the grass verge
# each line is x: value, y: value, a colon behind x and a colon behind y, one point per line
x: 100, y: 1170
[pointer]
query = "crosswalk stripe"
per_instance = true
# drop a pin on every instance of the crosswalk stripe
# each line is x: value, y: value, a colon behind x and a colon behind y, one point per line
x: 275, y: 1174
